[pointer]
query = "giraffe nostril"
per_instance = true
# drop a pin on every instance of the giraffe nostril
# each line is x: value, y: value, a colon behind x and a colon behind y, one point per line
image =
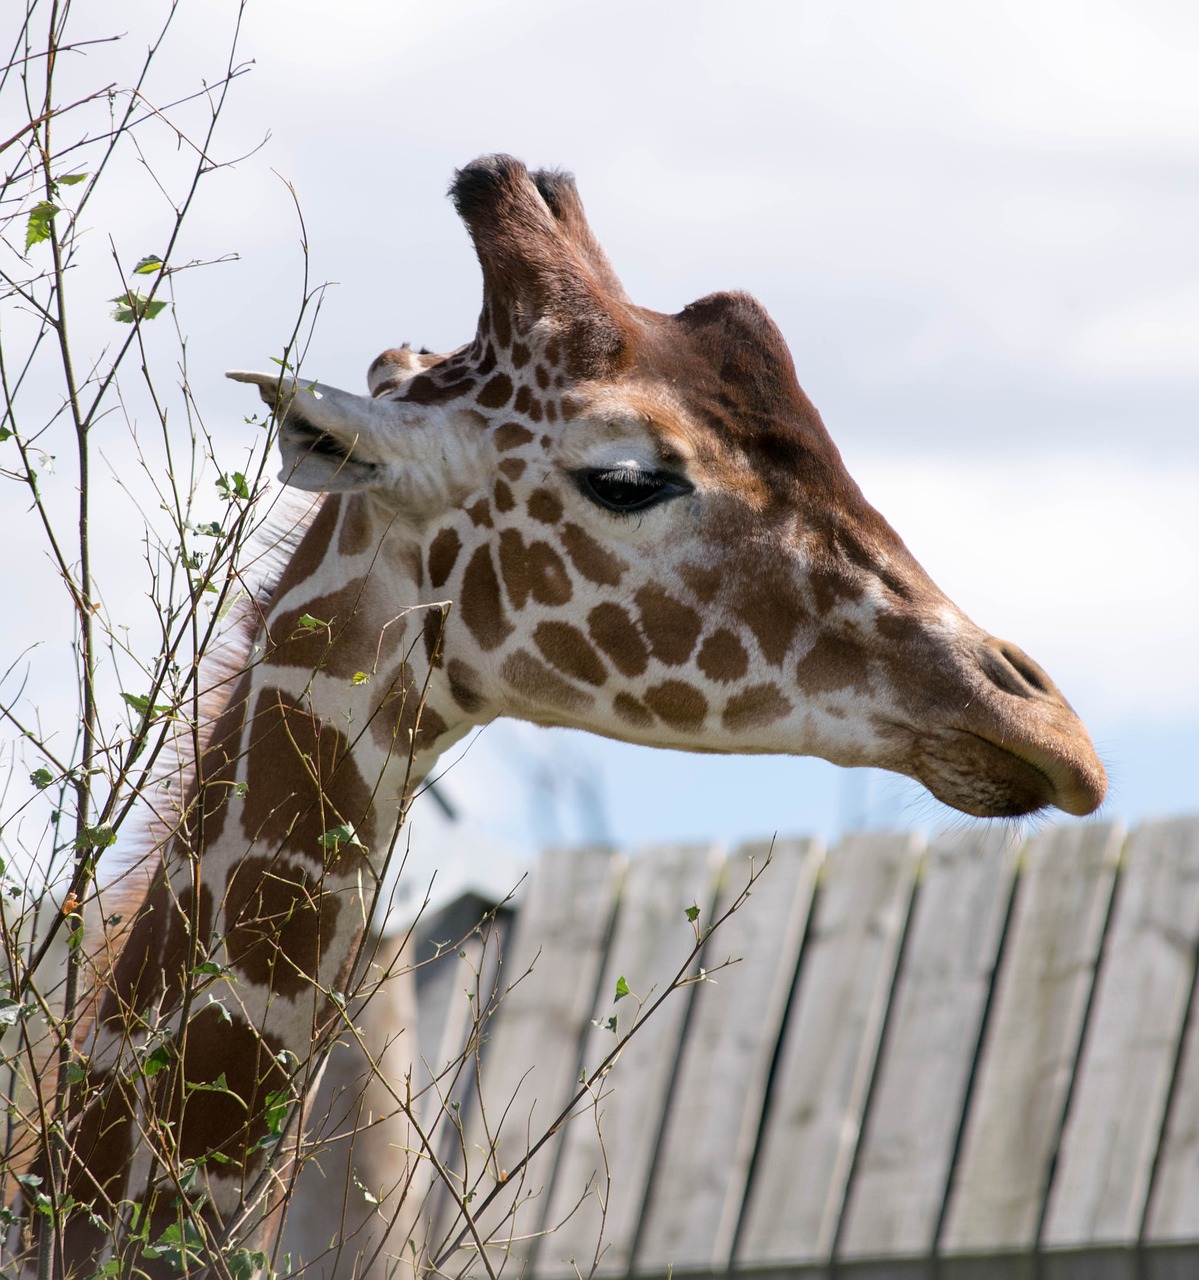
x: 1014, y: 671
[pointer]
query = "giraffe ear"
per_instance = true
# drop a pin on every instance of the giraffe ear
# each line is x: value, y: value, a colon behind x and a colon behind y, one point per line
x: 540, y: 261
x: 333, y: 441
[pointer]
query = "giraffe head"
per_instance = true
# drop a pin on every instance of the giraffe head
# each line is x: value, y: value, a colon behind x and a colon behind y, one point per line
x: 647, y: 532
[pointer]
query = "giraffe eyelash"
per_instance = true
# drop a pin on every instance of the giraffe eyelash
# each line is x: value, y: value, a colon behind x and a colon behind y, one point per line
x: 625, y: 490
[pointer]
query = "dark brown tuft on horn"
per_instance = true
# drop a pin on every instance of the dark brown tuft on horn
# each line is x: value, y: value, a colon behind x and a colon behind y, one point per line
x: 540, y: 261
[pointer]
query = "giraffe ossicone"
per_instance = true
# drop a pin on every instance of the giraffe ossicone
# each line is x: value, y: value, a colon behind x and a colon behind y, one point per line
x: 591, y: 515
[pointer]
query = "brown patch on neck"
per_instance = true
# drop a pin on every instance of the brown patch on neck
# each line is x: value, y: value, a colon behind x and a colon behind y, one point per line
x: 832, y: 665
x: 544, y: 688
x: 482, y: 610
x: 301, y: 780
x: 677, y: 704
x: 670, y: 627
x: 773, y: 609
x: 595, y: 562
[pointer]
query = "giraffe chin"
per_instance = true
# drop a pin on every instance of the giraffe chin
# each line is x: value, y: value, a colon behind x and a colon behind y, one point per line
x: 991, y: 780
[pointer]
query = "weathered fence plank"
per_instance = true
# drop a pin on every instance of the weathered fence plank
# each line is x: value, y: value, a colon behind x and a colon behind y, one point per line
x: 707, y: 1147
x: 587, y: 1210
x: 458, y: 959
x: 1174, y: 1204
x: 828, y: 1057
x: 1028, y: 1058
x: 902, y: 1171
x: 1101, y: 1184
x: 530, y: 1067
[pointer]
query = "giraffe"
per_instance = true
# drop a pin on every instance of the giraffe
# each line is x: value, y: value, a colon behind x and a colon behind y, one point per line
x: 592, y: 515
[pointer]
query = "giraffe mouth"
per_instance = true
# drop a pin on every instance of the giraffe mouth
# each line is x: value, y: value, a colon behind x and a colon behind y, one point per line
x: 1003, y: 779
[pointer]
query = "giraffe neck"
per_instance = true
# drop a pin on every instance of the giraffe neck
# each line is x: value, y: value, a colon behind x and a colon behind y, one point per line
x: 241, y: 958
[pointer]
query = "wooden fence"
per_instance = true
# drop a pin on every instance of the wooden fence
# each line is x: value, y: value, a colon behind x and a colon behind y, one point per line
x: 971, y: 1059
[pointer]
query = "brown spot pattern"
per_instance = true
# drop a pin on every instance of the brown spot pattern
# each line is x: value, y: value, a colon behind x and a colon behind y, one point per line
x: 532, y: 678
x: 617, y: 635
x: 464, y: 686
x: 503, y: 497
x: 432, y: 632
x: 831, y: 665
x: 524, y: 398
x: 722, y: 657
x: 670, y: 627
x: 278, y: 923
x: 443, y: 555
x: 424, y: 389
x: 356, y: 533
x: 771, y: 606
x: 496, y: 392
x: 511, y: 436
x: 328, y: 648
x: 212, y: 1120
x: 535, y: 570
x: 631, y: 711
x: 702, y: 581
x: 595, y: 562
x: 482, y: 608
x: 480, y: 514
x: 677, y: 704
x: 520, y: 355
x: 542, y: 376
x: 300, y: 779
x: 513, y: 468
x: 568, y: 649
x: 759, y: 705
x: 544, y: 506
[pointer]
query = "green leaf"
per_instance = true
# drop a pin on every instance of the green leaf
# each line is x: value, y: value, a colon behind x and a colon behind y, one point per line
x: 308, y: 623
x: 11, y: 1012
x: 360, y: 677
x: 241, y: 790
x: 75, y: 940
x: 37, y: 228
x: 95, y: 837
x: 222, y: 1012
x: 75, y: 1073
x: 41, y: 778
x: 244, y: 1265
x: 233, y: 486
x: 5, y: 434
x: 143, y: 706
x: 133, y: 306
x: 219, y: 1085
x: 157, y: 1060
x: 148, y: 265
x: 276, y: 1110
x: 622, y: 989
x: 209, y: 968
x: 30, y: 1180
x: 70, y: 179
x: 210, y: 530
x: 345, y: 834
x: 692, y: 913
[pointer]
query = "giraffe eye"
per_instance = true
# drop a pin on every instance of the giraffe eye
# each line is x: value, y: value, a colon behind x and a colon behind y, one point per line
x: 625, y: 489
